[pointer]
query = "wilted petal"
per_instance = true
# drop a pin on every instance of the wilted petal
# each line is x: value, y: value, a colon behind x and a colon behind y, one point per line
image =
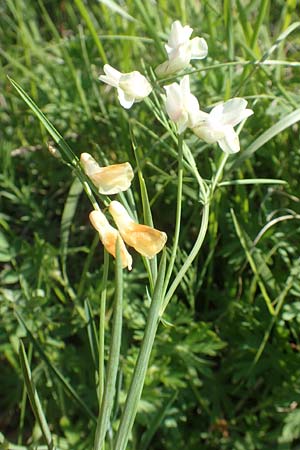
x: 144, y: 239
x: 108, y: 236
x: 109, y: 180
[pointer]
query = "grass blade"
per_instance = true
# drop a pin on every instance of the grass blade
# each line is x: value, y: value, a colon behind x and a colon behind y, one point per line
x: 34, y: 398
x: 260, y: 270
x: 66, y: 151
x: 92, y: 334
x: 265, y: 137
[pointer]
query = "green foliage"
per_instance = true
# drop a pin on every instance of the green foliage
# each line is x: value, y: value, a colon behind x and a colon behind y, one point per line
x: 225, y: 368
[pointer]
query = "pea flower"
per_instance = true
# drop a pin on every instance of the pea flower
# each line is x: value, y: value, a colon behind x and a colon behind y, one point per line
x: 217, y: 126
x: 181, y: 49
x: 108, y: 180
x: 132, y: 87
x: 144, y: 239
x: 108, y: 236
x: 182, y: 106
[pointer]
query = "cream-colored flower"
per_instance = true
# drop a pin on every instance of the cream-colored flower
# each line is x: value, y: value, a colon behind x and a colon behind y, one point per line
x: 110, y: 179
x: 132, y: 87
x: 182, y: 106
x: 181, y: 49
x: 144, y: 239
x: 108, y: 236
x: 217, y: 126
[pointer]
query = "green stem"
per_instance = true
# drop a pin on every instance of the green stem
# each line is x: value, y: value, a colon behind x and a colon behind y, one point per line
x: 113, y: 361
x: 178, y: 213
x: 219, y: 173
x: 102, y: 328
x: 139, y: 374
x: 194, y: 252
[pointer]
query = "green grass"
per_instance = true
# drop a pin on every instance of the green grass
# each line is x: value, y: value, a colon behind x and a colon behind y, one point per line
x: 224, y: 370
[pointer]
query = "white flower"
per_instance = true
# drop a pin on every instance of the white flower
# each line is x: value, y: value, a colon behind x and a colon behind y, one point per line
x: 217, y: 126
x: 144, y: 239
x: 181, y: 49
x: 109, y: 180
x: 108, y: 236
x: 182, y: 106
x: 132, y: 87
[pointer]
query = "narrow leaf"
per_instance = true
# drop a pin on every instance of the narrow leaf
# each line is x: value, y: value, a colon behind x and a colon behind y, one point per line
x: 34, y: 398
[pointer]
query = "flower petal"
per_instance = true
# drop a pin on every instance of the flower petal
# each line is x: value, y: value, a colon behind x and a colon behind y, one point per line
x: 108, y: 180
x: 144, y: 239
x: 125, y: 100
x: 178, y: 34
x: 230, y: 142
x: 135, y: 85
x: 234, y: 111
x: 199, y: 48
x: 108, y: 236
x: 113, y: 179
x: 112, y: 76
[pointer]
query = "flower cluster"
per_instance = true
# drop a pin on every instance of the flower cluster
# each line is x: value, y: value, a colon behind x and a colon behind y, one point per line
x: 182, y: 106
x: 183, y: 109
x: 216, y: 126
x: 112, y: 180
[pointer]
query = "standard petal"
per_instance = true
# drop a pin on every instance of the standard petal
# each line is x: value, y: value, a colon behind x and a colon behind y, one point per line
x: 178, y: 34
x: 135, y: 85
x: 234, y: 111
x: 112, y: 76
x: 199, y: 48
x: 146, y: 240
x: 230, y: 142
x: 113, y: 179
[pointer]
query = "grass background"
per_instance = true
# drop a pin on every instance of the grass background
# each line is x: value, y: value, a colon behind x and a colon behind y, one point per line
x: 226, y: 374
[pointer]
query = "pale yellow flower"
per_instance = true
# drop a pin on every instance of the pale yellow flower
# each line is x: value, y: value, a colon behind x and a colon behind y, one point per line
x: 108, y: 236
x: 144, y: 239
x: 132, y: 87
x: 110, y: 179
x: 181, y: 49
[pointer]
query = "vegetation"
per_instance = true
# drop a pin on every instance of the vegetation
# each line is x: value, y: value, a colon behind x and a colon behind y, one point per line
x: 224, y: 371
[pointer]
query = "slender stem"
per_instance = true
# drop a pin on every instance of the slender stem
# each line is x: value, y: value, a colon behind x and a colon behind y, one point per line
x: 189, y: 260
x: 113, y: 361
x: 140, y: 370
x: 101, y: 368
x: 178, y: 214
x: 219, y: 173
